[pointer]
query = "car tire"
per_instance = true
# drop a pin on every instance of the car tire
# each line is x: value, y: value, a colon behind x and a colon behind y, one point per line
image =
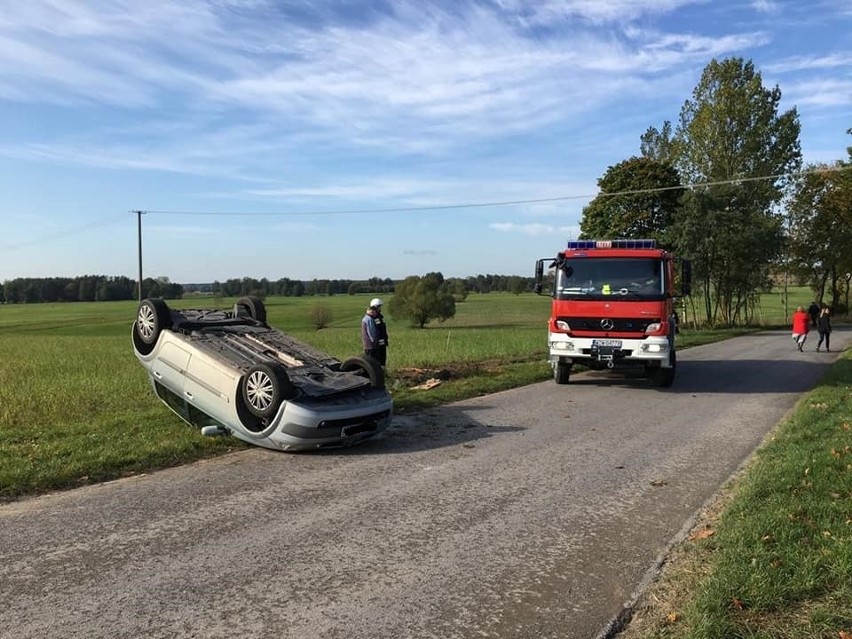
x: 561, y: 372
x: 264, y: 387
x: 152, y: 316
x: 254, y: 307
x: 365, y: 366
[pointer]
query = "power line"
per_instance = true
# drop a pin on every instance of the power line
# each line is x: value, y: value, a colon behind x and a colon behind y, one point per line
x: 114, y: 218
x: 63, y: 234
x: 470, y: 205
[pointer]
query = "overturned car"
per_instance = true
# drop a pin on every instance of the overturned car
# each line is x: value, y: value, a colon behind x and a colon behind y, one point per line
x: 230, y: 372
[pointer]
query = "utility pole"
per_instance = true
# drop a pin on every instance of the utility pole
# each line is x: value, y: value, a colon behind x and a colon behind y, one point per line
x: 139, y: 247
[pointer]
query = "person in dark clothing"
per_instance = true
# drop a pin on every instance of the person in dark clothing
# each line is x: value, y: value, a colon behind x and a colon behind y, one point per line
x: 374, y: 332
x: 824, y: 328
x: 813, y: 313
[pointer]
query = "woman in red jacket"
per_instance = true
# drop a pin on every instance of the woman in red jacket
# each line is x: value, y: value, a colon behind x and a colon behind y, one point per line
x: 801, y: 322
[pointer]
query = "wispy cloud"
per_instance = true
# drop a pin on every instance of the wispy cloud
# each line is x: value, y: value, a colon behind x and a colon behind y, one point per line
x: 820, y: 93
x: 413, y: 81
x: 535, y: 229
x: 809, y: 63
x: 596, y: 11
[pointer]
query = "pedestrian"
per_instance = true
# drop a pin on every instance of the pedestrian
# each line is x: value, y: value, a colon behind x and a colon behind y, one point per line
x: 824, y: 328
x: 800, y: 326
x: 813, y: 312
x: 374, y: 332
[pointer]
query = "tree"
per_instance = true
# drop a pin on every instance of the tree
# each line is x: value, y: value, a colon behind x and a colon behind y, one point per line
x: 633, y: 214
x: 820, y: 229
x: 517, y: 285
x: 456, y: 287
x: 421, y: 299
x: 732, y: 136
x: 659, y: 145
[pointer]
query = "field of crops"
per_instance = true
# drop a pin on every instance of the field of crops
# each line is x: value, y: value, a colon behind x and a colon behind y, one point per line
x: 76, y: 407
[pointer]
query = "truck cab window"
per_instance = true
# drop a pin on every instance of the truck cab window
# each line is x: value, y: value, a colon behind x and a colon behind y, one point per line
x: 628, y: 277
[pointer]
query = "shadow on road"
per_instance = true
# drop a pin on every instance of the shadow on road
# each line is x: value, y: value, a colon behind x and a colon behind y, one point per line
x: 425, y: 430
x: 722, y: 376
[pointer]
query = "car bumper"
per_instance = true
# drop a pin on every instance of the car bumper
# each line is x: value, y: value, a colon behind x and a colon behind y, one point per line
x: 326, y: 424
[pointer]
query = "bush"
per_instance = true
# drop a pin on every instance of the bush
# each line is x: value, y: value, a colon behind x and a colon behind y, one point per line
x: 321, y: 316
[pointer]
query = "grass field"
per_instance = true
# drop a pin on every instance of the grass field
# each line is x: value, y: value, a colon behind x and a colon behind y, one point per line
x: 76, y: 407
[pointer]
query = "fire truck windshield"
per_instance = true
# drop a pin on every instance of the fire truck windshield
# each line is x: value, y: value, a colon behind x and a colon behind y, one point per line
x: 622, y: 278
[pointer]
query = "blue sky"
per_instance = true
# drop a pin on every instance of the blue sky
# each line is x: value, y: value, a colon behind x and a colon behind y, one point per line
x: 252, y: 130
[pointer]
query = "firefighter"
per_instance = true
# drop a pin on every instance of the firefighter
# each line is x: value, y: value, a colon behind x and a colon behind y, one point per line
x: 374, y: 332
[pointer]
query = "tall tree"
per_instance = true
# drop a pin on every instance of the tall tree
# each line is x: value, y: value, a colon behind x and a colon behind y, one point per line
x: 638, y: 199
x: 732, y: 138
x: 821, y: 229
x: 659, y: 145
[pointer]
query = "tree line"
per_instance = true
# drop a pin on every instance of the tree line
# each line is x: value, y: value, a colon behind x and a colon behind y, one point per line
x: 103, y: 288
x: 85, y: 288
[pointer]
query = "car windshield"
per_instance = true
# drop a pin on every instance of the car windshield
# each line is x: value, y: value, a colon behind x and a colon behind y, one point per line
x: 627, y: 278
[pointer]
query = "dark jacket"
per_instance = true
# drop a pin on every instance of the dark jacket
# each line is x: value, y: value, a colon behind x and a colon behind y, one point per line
x: 824, y: 323
x: 813, y: 311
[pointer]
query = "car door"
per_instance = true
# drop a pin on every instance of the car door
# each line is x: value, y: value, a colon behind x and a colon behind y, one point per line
x: 170, y: 365
x: 210, y: 387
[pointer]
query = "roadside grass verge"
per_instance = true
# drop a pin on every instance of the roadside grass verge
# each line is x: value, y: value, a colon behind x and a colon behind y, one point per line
x: 773, y: 558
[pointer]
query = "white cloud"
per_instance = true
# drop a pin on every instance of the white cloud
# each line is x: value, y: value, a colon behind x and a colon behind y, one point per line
x: 820, y: 93
x: 595, y: 11
x: 417, y: 81
x: 808, y: 63
x: 765, y: 6
x: 535, y: 229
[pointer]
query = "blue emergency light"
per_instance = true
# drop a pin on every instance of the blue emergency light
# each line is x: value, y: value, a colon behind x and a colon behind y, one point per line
x: 611, y: 244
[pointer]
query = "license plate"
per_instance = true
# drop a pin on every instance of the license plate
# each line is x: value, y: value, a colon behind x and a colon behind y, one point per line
x: 357, y: 429
x: 606, y: 343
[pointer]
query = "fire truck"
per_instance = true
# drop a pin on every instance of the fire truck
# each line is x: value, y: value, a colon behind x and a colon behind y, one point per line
x: 613, y: 307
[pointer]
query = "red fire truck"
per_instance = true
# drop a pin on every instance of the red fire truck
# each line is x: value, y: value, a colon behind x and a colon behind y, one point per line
x: 613, y: 306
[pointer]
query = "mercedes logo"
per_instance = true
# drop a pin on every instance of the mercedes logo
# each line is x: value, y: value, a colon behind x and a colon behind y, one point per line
x: 607, y: 324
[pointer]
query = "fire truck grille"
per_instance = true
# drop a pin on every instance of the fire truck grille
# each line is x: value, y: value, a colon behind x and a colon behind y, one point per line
x: 619, y: 324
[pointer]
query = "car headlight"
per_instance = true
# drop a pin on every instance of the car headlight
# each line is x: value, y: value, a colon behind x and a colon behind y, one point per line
x: 562, y: 325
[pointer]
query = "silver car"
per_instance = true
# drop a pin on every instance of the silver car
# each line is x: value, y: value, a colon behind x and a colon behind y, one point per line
x: 230, y: 372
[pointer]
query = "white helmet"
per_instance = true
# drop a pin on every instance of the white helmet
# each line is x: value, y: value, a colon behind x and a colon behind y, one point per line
x: 375, y: 302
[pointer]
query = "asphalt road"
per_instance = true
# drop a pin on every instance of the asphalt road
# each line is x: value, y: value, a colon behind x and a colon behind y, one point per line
x: 535, y: 512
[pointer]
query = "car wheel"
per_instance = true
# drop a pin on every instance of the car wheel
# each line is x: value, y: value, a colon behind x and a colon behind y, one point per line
x: 254, y: 307
x: 664, y: 377
x: 365, y: 366
x: 561, y: 372
x: 264, y: 387
x: 152, y: 317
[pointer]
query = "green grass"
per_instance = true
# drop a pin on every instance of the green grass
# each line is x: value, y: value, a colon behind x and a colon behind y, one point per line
x: 76, y: 407
x: 779, y: 562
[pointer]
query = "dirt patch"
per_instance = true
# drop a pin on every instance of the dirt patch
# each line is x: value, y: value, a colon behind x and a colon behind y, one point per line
x: 414, y: 376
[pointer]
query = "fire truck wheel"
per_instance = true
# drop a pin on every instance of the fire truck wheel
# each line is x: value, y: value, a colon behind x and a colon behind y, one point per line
x: 561, y: 372
x: 664, y: 377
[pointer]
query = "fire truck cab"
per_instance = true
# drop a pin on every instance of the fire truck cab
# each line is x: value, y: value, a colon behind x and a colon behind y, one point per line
x: 613, y: 306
